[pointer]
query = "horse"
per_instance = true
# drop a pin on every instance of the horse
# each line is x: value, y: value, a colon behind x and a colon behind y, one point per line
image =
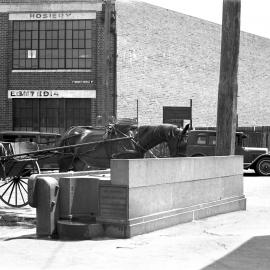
x: 97, y: 156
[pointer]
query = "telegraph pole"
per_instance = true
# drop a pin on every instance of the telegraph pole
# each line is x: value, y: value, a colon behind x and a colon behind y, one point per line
x: 228, y: 87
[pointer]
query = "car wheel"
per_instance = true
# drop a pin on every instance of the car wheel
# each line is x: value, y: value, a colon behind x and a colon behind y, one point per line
x: 263, y: 166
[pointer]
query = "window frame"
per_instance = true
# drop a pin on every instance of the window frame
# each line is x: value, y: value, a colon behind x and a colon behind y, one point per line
x: 47, y: 44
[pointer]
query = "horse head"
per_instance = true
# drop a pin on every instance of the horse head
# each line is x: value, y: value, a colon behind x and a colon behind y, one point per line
x: 177, y: 143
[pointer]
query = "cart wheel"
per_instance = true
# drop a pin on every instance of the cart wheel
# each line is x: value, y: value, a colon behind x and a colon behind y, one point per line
x: 14, y: 189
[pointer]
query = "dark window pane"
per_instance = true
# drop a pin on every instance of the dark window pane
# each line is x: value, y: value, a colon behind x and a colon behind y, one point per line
x: 82, y: 54
x: 48, y: 25
x: 75, y: 43
x: 48, y: 63
x: 81, y: 63
x: 42, y: 34
x: 42, y: 44
x: 35, y: 25
x: 42, y: 63
x: 28, y: 25
x: 54, y: 53
x: 42, y: 54
x: 22, y: 63
x: 54, y: 44
x: 61, y: 24
x: 88, y: 34
x: 49, y: 35
x: 68, y: 63
x: 22, y: 54
x: 61, y: 53
x: 34, y: 34
x: 68, y: 24
x: 75, y: 63
x: 16, y: 25
x: 42, y: 25
x: 54, y: 63
x: 75, y: 24
x: 61, y: 44
x: 82, y: 24
x: 68, y: 43
x: 22, y: 25
x: 15, y: 44
x: 48, y: 53
x: 28, y: 44
x: 81, y: 34
x: 61, y: 34
x: 28, y: 63
x: 34, y: 63
x: 88, y: 54
x: 88, y: 43
x: 75, y: 34
x: 61, y: 63
x: 55, y: 35
x: 55, y: 25
x: 68, y: 53
x: 28, y: 34
x: 15, y: 63
x: 22, y: 35
x: 88, y: 63
x: 81, y: 44
x: 48, y: 44
x: 88, y: 24
x: 22, y: 44
x: 16, y: 54
x: 69, y: 34
x: 16, y: 34
x: 34, y: 44
x: 75, y: 54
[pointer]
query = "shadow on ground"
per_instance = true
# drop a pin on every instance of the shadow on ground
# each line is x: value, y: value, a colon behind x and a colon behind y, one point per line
x: 252, y: 255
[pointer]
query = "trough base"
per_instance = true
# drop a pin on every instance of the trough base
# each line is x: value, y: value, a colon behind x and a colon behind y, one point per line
x: 118, y: 228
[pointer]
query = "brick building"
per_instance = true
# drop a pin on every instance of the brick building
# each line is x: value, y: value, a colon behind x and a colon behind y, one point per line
x: 58, y: 65
x: 166, y: 58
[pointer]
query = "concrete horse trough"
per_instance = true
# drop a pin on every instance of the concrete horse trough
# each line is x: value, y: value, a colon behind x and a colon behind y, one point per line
x: 138, y: 196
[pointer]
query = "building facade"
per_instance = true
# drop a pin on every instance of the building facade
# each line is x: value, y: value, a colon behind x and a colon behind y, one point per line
x: 68, y: 62
x: 57, y: 64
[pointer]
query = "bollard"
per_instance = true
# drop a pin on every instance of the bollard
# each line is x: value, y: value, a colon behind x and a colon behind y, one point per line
x: 46, y: 197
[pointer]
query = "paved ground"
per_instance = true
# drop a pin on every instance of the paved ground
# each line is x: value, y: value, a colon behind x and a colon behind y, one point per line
x: 239, y: 240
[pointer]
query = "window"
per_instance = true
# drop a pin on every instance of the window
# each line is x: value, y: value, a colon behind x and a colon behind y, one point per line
x: 50, y: 44
x: 201, y: 139
x: 212, y: 140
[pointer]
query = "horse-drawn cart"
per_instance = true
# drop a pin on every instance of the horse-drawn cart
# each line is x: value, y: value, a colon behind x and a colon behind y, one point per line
x: 17, y: 166
x: 81, y: 149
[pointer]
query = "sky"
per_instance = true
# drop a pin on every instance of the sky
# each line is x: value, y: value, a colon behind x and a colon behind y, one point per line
x: 255, y: 16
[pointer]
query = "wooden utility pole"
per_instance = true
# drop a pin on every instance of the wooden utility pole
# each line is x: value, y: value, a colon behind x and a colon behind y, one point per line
x: 228, y: 88
x: 107, y: 56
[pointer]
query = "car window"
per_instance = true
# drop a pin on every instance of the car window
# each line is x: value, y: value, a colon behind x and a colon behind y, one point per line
x: 201, y: 139
x: 212, y: 140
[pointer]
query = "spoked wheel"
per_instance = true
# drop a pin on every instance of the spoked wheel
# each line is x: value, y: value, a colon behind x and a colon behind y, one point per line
x: 263, y: 166
x: 14, y: 189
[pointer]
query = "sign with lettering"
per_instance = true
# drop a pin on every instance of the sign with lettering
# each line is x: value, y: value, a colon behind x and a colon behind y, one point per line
x: 52, y: 16
x: 52, y: 94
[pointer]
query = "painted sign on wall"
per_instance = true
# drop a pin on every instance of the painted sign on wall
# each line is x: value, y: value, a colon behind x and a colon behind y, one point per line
x: 52, y: 94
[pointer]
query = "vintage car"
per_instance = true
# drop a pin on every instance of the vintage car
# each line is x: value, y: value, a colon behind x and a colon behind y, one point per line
x: 203, y: 142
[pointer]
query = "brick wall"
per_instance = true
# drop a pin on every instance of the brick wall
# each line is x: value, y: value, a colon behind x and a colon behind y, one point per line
x: 55, y: 80
x: 5, y: 105
x: 166, y: 58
